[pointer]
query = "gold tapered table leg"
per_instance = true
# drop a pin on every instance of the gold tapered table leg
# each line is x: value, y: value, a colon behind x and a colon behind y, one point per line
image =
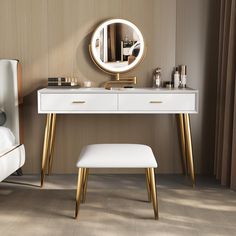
x: 182, y: 142
x: 46, y: 144
x: 189, y: 150
x: 79, y: 191
x: 148, y: 184
x: 154, y: 192
x: 52, y: 143
x: 85, y: 184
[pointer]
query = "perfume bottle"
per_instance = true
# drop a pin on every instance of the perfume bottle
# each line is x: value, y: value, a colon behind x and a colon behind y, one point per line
x: 183, y: 76
x: 157, y: 78
x: 176, y: 78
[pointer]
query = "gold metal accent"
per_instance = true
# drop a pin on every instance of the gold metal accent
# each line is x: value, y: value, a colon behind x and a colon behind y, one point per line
x: 118, y: 76
x: 83, y: 181
x: 182, y: 143
x: 120, y: 81
x: 189, y: 151
x: 78, y: 102
x: 156, y: 102
x: 46, y: 146
x: 148, y: 184
x: 79, y: 191
x: 52, y: 143
x: 85, y: 184
x: 154, y: 192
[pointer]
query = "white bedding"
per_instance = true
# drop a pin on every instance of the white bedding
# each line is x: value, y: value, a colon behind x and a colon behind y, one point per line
x: 7, y: 140
x: 12, y: 153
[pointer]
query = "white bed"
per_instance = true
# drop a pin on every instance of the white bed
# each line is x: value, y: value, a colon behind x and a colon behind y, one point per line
x: 12, y: 152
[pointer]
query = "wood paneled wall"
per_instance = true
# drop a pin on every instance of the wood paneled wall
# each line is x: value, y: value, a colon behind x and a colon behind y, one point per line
x: 51, y: 37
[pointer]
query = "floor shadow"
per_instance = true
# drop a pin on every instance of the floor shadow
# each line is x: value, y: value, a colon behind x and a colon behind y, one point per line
x: 21, y: 183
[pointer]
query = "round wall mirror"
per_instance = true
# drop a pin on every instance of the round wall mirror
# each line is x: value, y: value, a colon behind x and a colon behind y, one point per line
x: 117, y: 46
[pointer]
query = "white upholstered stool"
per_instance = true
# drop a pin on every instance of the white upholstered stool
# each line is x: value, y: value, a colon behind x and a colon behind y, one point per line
x: 116, y: 156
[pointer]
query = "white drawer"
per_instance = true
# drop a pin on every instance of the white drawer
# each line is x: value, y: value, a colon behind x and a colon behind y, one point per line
x: 158, y: 102
x: 78, y: 102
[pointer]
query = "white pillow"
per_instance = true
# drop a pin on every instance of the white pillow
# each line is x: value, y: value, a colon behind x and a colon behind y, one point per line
x: 7, y: 139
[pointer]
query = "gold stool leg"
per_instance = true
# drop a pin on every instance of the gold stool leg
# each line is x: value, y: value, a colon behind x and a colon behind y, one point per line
x: 154, y: 192
x: 182, y: 143
x: 52, y: 143
x: 79, y: 191
x: 85, y: 184
x: 189, y: 149
x: 148, y: 184
x: 47, y: 135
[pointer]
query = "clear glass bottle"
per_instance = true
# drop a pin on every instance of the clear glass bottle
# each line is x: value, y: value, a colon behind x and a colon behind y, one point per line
x: 157, y: 82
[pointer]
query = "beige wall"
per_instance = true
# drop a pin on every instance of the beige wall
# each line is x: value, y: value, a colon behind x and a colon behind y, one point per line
x: 51, y: 37
x: 197, y: 45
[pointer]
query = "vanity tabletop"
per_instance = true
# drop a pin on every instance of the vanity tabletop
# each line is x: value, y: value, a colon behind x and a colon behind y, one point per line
x: 116, y: 90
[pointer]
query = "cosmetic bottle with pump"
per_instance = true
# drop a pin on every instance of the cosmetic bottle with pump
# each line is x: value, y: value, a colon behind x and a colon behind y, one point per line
x: 176, y: 78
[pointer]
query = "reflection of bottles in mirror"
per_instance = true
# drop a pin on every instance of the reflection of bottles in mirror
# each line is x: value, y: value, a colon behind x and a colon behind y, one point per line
x: 157, y: 78
x: 126, y: 40
x: 126, y: 44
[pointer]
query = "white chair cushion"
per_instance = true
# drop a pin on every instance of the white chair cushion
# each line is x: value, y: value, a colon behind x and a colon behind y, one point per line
x: 117, y: 156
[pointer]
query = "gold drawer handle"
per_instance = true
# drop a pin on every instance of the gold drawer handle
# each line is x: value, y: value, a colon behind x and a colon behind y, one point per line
x: 156, y: 102
x: 78, y: 102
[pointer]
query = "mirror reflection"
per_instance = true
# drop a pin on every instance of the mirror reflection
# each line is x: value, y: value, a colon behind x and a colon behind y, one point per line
x: 117, y: 45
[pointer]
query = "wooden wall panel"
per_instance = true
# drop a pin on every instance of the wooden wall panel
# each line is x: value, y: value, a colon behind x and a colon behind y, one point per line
x: 51, y: 37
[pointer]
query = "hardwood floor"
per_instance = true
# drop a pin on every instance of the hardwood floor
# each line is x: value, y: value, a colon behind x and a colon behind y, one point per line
x: 115, y: 205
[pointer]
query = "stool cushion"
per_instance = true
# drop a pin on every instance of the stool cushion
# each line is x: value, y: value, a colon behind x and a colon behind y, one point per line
x: 116, y: 156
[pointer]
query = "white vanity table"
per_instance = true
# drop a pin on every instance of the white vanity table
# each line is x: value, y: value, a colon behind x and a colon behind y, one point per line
x: 52, y: 101
x: 118, y: 100
x: 113, y: 100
